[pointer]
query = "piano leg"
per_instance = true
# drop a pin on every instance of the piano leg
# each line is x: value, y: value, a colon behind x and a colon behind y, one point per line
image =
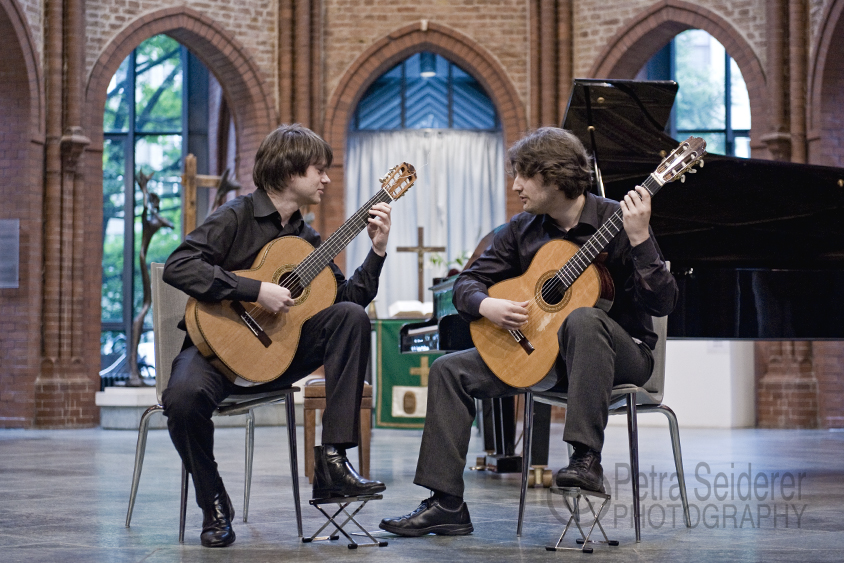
x: 541, y: 434
x: 504, y: 460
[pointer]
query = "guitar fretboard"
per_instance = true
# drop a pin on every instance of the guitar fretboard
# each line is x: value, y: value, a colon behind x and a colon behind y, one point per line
x: 587, y: 253
x: 317, y: 260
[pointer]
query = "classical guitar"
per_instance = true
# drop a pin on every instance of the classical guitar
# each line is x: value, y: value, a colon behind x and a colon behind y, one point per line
x: 251, y: 345
x: 561, y: 278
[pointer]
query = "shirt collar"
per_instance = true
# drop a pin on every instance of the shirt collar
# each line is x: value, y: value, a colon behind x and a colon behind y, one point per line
x: 263, y: 207
x: 588, y: 216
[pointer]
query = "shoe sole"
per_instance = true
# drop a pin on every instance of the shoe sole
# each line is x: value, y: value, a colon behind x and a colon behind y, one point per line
x: 581, y: 486
x: 219, y: 543
x: 323, y: 494
x: 440, y: 530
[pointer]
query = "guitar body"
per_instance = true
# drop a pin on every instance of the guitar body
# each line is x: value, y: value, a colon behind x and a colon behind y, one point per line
x: 220, y: 334
x: 508, y: 359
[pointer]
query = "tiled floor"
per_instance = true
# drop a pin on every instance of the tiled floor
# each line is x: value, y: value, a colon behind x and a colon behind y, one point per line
x: 64, y: 493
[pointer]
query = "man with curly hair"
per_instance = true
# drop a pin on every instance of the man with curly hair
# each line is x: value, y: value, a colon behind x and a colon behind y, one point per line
x: 598, y: 349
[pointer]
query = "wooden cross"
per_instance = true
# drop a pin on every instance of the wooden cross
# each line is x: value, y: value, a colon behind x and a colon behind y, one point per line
x: 422, y: 371
x: 420, y: 251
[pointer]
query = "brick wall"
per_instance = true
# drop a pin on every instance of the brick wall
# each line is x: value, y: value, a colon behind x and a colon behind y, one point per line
x: 596, y: 24
x: 252, y: 22
x: 500, y: 26
x: 21, y: 196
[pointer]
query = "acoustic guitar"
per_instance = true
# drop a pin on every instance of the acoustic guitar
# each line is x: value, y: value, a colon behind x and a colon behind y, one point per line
x: 561, y: 278
x: 251, y: 345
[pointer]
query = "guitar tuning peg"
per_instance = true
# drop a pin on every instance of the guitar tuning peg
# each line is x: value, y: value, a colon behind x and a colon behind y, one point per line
x: 382, y: 180
x: 683, y: 179
x: 701, y: 163
x: 692, y: 171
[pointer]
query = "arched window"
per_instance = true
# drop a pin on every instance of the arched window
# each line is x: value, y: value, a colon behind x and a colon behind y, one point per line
x: 429, y: 112
x: 425, y: 91
x: 145, y: 126
x: 712, y: 101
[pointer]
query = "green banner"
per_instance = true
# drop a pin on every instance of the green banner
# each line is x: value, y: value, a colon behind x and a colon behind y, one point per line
x: 402, y: 379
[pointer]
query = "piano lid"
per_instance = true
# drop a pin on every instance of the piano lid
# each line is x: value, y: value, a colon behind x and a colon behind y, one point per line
x: 735, y: 212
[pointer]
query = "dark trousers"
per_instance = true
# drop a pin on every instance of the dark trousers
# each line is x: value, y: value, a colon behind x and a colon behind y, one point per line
x: 337, y: 337
x: 595, y: 355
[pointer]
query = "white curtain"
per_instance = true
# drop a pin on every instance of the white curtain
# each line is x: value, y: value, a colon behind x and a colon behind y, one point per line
x: 458, y: 197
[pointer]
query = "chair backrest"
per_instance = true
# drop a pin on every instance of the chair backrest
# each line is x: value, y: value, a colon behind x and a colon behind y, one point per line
x: 656, y: 384
x: 168, y: 308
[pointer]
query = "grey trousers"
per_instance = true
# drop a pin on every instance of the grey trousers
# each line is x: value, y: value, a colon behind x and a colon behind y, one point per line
x: 337, y: 337
x: 595, y: 355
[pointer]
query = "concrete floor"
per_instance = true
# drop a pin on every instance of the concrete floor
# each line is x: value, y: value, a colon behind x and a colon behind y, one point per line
x: 64, y: 493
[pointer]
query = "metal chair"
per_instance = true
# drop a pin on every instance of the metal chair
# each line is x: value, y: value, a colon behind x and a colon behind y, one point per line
x: 168, y: 306
x: 629, y: 400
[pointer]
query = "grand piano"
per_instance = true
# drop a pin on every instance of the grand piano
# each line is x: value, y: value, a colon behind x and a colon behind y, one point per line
x: 756, y: 246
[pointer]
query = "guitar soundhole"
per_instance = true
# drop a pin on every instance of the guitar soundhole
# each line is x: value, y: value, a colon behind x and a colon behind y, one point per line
x: 550, y: 293
x: 292, y: 282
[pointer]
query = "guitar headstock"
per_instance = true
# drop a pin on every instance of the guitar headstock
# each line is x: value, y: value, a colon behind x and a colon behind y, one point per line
x: 398, y: 180
x: 681, y: 160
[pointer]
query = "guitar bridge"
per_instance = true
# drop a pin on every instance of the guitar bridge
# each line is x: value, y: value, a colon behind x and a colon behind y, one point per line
x: 523, y: 341
x: 251, y: 323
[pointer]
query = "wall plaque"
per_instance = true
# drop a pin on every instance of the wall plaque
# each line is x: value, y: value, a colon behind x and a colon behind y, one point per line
x: 9, y: 252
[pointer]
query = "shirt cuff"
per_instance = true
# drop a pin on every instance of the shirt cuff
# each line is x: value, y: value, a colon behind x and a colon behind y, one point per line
x: 247, y: 289
x: 373, y: 263
x: 645, y: 254
x: 473, y: 303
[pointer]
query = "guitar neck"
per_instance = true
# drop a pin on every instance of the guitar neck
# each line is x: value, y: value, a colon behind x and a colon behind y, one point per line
x: 331, y: 247
x: 587, y: 253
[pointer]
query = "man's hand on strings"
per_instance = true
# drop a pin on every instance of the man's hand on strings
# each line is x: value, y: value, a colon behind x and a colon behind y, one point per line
x: 378, y: 227
x: 274, y: 298
x: 636, y: 213
x: 509, y: 315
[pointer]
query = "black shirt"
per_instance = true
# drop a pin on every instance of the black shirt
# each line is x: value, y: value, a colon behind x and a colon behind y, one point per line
x: 643, y: 285
x: 232, y: 237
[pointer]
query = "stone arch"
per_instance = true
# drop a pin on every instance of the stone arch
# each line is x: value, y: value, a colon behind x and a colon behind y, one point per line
x: 387, y: 52
x: 648, y: 32
x: 22, y: 138
x: 826, y: 90
x: 243, y: 85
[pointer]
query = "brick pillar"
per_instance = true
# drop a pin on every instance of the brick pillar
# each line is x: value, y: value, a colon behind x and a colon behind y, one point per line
x: 787, y: 391
x: 65, y: 387
x: 778, y: 137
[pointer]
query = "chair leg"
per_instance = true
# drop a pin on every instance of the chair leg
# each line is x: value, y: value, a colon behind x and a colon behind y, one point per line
x: 250, y: 451
x: 140, y: 450
x: 183, y: 511
x: 633, y: 436
x: 528, y: 442
x: 674, y: 429
x: 294, y: 461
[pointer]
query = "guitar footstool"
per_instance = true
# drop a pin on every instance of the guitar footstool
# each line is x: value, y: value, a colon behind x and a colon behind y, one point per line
x: 572, y: 497
x: 342, y: 504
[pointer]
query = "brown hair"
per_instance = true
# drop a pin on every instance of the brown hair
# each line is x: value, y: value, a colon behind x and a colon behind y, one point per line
x: 286, y: 152
x: 557, y: 156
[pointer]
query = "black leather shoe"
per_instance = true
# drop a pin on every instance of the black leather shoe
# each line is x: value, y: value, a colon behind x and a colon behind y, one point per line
x: 334, y: 476
x: 217, y: 522
x: 584, y: 471
x: 431, y: 518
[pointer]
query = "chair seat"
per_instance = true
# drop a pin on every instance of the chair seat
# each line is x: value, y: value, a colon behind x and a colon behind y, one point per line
x: 241, y: 404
